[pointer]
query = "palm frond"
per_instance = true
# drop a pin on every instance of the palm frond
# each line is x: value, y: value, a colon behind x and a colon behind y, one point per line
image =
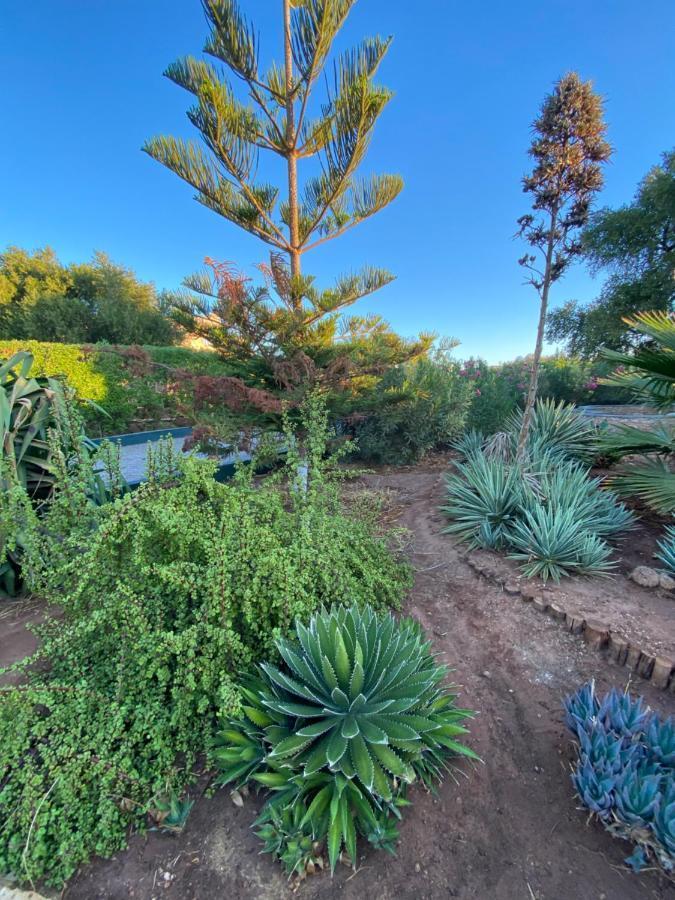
x: 652, y: 481
x: 625, y: 439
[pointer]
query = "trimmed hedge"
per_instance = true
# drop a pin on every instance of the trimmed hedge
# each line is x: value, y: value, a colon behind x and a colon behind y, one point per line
x: 130, y: 401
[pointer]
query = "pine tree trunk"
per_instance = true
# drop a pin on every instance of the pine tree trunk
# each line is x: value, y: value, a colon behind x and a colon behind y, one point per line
x: 536, y: 359
x: 292, y: 159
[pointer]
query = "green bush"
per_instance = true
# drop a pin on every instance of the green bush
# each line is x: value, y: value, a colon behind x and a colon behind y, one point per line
x: 356, y: 711
x: 417, y: 407
x: 494, y: 397
x: 126, y: 390
x: 41, y: 299
x: 501, y: 389
x: 164, y: 595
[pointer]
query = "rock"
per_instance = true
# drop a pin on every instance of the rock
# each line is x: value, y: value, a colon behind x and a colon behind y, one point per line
x: 540, y: 603
x: 663, y: 666
x: 512, y: 587
x: 666, y: 582
x: 486, y: 674
x: 645, y: 576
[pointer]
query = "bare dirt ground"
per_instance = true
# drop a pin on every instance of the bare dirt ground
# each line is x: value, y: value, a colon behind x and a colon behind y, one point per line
x: 506, y: 830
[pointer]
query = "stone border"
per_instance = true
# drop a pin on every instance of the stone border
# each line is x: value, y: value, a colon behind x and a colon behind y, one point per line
x: 659, y: 670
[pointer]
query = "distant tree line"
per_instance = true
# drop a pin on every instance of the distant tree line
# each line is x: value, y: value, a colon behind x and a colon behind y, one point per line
x: 42, y: 299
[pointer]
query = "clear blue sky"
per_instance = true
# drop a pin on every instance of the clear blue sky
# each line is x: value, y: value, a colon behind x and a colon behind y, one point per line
x: 82, y: 88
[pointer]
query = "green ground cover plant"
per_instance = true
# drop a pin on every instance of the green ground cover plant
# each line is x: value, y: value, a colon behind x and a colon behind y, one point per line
x: 165, y: 594
x: 356, y: 711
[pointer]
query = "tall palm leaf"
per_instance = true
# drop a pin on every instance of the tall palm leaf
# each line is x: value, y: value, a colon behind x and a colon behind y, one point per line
x: 650, y: 371
x: 650, y: 374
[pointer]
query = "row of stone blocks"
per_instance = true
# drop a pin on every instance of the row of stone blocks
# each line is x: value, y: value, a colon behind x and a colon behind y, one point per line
x: 660, y: 670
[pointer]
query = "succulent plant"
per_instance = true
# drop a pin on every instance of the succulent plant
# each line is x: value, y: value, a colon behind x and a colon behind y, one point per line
x: 636, y: 796
x: 660, y: 738
x: 581, y: 707
x: 663, y: 824
x: 356, y: 710
x: 623, y: 714
x: 625, y: 772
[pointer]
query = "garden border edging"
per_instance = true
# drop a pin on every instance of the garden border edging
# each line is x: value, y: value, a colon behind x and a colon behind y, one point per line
x: 658, y: 670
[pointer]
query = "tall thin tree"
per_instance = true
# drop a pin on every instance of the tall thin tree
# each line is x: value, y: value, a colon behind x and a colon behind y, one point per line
x: 276, y: 118
x: 568, y: 149
x: 287, y: 336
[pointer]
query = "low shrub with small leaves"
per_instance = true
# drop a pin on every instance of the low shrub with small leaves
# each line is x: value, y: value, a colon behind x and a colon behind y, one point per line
x: 625, y: 771
x: 164, y: 595
x: 356, y: 711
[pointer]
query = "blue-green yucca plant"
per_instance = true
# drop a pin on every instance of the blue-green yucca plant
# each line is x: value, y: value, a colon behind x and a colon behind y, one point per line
x: 625, y: 771
x: 546, y: 512
x: 666, y: 551
x: 356, y: 711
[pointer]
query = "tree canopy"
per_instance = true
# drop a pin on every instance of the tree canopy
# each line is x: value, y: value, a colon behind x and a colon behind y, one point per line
x: 635, y: 245
x: 41, y: 299
x: 286, y: 335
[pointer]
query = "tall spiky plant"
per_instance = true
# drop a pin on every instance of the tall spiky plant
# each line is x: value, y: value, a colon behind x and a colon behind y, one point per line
x: 568, y: 150
x: 276, y: 118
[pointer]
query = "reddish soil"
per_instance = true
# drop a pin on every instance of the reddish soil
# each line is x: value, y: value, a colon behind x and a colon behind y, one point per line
x: 505, y: 830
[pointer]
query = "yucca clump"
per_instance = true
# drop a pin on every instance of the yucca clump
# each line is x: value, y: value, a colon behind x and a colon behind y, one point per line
x: 546, y: 513
x: 357, y: 712
x: 666, y: 551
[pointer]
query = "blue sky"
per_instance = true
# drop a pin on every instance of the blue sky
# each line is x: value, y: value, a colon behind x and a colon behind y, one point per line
x: 83, y: 88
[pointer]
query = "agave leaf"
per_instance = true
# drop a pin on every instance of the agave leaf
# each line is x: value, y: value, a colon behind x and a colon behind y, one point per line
x: 362, y: 760
x: 357, y: 680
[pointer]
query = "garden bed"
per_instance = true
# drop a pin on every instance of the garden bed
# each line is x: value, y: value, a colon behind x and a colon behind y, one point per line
x: 508, y: 829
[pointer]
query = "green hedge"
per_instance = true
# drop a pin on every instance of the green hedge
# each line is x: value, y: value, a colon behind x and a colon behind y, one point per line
x: 130, y: 400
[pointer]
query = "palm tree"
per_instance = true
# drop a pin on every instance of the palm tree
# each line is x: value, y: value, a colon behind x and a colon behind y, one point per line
x: 650, y: 374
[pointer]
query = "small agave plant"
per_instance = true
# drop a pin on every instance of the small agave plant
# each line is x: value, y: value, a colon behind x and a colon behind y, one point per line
x: 625, y: 773
x: 356, y: 712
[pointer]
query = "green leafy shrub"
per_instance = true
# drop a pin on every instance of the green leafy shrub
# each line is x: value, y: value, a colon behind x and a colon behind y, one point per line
x: 41, y: 439
x: 625, y: 771
x: 494, y: 397
x: 548, y: 513
x: 164, y: 595
x: 129, y: 387
x: 417, y: 408
x: 356, y: 710
x: 44, y: 300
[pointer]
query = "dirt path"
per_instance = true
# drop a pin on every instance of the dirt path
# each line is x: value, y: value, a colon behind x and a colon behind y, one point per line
x: 508, y: 830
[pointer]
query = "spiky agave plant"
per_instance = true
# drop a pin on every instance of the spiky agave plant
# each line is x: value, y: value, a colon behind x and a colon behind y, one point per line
x: 357, y: 711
